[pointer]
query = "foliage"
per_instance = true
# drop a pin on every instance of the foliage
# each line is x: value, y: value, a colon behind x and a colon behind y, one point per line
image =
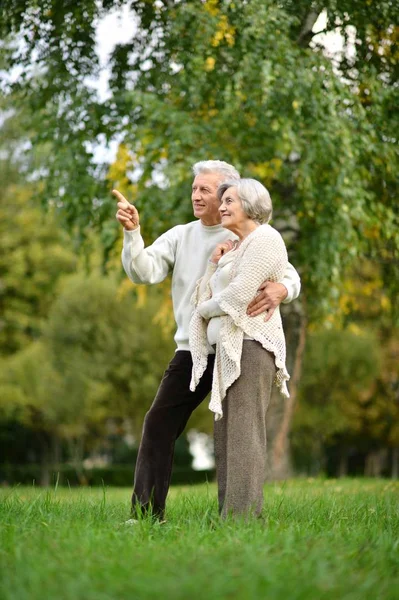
x: 103, y: 364
x: 106, y: 346
x: 348, y: 394
x: 339, y: 366
x: 247, y: 82
x: 34, y: 254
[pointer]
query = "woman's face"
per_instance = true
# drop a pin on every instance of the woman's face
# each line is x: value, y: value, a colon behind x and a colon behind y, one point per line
x: 231, y: 211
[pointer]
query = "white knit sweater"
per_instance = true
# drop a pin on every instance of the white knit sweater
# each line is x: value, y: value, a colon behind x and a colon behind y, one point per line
x: 217, y: 277
x: 262, y: 255
x: 184, y: 250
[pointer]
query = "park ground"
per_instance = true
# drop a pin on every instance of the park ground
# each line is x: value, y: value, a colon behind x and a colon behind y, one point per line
x: 318, y: 539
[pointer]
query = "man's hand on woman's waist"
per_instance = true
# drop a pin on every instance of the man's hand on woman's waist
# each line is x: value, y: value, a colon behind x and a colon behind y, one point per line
x: 269, y: 296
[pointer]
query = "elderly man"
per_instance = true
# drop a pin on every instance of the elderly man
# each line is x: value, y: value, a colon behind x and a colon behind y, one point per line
x: 183, y: 250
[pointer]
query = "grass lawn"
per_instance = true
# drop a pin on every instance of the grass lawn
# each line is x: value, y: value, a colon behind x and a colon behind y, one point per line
x: 318, y: 540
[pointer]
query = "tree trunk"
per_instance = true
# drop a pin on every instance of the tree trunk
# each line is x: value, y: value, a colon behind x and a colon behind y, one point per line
x: 77, y: 448
x: 343, y: 464
x: 306, y: 32
x: 375, y: 463
x: 395, y: 463
x: 280, y: 456
x: 56, y: 450
x: 44, y: 461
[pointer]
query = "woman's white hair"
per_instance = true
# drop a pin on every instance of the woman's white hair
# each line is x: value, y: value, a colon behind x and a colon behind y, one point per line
x: 216, y: 166
x: 254, y: 197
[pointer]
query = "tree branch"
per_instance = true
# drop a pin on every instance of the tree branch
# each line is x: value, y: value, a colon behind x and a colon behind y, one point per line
x: 306, y: 33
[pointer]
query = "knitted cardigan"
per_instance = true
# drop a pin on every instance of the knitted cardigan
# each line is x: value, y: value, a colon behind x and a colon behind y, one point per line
x: 261, y: 256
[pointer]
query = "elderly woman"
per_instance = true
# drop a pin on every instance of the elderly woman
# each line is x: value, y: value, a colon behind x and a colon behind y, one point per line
x: 250, y: 352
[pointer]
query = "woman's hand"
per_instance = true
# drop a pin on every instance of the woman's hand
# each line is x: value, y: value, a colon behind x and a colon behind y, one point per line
x: 127, y: 214
x: 220, y: 250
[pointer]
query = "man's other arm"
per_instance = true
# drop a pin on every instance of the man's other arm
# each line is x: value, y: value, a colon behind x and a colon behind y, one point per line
x: 292, y: 282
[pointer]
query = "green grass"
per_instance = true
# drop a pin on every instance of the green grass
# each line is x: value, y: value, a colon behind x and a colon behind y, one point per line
x: 318, y: 540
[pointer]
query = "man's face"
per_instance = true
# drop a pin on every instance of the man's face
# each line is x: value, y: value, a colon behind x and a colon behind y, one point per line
x: 204, y: 199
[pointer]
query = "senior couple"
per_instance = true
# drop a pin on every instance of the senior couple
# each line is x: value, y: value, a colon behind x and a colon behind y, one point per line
x: 230, y: 272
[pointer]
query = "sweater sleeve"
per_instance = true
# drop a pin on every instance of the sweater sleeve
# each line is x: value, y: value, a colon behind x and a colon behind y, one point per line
x: 152, y: 264
x: 209, y: 309
x: 264, y: 258
x: 292, y: 283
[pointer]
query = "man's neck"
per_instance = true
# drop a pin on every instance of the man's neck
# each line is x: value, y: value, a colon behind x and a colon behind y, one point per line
x: 210, y: 223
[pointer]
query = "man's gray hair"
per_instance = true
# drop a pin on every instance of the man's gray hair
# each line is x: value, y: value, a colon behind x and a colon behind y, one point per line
x: 216, y: 166
x: 255, y: 199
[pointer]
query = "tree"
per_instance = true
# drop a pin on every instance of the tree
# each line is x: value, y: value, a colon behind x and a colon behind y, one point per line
x: 340, y: 368
x: 349, y: 388
x: 35, y: 251
x: 237, y: 80
x: 110, y: 342
x: 34, y: 254
x: 30, y: 395
x: 95, y: 361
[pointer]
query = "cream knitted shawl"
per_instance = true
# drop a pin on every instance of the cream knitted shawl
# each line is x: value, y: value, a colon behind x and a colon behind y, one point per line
x: 261, y: 256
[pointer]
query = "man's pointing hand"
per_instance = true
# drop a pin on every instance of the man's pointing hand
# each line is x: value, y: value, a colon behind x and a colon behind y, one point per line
x: 127, y: 214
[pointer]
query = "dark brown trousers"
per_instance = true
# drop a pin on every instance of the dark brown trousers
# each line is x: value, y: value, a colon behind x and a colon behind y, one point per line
x: 163, y: 424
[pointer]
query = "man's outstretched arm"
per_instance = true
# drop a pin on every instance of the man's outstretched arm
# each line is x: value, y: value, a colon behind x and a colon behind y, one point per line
x: 143, y: 265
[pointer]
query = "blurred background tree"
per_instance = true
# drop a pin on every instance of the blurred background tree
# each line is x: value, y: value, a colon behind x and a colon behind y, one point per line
x: 251, y: 83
